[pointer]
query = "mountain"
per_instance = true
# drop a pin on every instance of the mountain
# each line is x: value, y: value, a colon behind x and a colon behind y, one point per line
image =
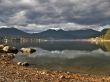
x: 50, y: 34
x: 12, y: 32
x: 61, y: 34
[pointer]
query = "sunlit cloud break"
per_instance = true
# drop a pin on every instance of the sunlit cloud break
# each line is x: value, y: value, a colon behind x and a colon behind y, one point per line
x: 64, y: 26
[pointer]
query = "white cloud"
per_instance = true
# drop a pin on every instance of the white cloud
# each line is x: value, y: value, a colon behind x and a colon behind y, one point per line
x: 18, y: 18
x: 64, y: 26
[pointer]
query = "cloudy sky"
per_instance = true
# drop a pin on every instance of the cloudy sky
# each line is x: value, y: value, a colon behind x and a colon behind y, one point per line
x: 39, y: 15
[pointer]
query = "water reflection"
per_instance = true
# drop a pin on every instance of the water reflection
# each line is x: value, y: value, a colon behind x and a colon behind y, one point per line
x: 68, y: 56
x: 105, y: 46
x: 65, y: 45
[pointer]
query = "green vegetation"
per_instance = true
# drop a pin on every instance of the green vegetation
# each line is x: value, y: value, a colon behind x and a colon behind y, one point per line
x: 105, y: 46
x: 105, y: 34
x: 104, y: 39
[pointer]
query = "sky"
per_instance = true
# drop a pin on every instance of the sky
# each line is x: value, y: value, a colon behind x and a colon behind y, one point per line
x: 40, y: 15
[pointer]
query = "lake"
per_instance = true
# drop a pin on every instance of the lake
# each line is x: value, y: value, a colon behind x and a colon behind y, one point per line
x: 72, y: 56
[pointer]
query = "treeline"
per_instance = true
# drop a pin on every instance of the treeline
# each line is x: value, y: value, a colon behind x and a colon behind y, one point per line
x: 105, y: 34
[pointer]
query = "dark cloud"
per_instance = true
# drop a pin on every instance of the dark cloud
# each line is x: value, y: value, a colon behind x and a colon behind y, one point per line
x: 86, y: 12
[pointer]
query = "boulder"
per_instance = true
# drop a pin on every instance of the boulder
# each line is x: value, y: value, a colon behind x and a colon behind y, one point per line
x: 19, y: 63
x: 27, y: 50
x: 11, y: 55
x: 8, y: 49
x: 2, y: 46
x: 25, y: 64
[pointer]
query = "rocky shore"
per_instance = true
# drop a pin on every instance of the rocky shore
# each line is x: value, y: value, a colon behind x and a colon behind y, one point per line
x: 11, y: 72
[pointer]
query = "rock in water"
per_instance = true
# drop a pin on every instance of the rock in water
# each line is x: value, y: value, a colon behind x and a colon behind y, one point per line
x: 8, y: 49
x: 19, y: 63
x: 2, y: 46
x: 25, y: 64
x: 11, y: 55
x: 27, y: 50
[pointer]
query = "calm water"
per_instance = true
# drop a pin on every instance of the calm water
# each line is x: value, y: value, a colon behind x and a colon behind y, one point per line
x: 68, y: 56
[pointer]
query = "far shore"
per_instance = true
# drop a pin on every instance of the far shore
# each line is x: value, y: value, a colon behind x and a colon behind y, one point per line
x: 94, y: 40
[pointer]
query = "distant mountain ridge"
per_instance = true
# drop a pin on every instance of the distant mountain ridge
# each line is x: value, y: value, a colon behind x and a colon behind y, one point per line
x: 51, y: 34
x: 13, y: 32
x: 61, y: 34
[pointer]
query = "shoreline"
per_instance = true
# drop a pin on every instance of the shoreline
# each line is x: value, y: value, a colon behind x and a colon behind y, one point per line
x: 10, y: 72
